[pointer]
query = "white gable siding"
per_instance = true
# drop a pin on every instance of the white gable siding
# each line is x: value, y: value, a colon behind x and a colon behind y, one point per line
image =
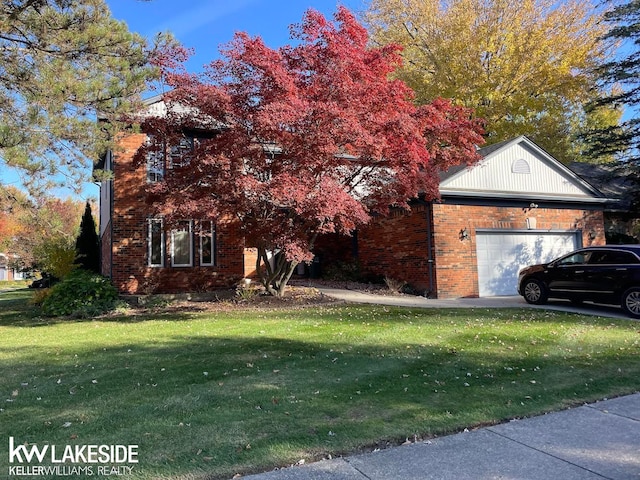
x: 505, y: 172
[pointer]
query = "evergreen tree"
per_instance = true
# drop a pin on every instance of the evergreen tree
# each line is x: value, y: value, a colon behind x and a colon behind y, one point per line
x: 87, y: 244
x: 64, y: 63
x: 623, y: 73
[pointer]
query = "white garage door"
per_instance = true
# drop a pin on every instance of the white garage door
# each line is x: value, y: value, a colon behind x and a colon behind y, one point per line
x: 501, y: 254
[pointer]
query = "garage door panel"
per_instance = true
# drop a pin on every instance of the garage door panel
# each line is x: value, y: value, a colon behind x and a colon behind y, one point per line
x: 500, y: 255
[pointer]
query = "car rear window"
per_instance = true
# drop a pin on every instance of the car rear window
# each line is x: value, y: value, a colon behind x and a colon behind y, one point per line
x: 613, y: 257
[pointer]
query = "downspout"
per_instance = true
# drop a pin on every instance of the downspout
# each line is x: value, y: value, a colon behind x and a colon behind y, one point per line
x: 430, y: 260
x: 111, y: 210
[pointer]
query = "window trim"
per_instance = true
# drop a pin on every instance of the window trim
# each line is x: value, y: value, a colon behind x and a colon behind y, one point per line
x: 156, y: 162
x: 174, y: 231
x: 209, y: 233
x: 150, y: 250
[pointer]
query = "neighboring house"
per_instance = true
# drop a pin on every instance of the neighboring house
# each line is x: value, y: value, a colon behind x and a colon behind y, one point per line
x: 518, y: 206
x: 7, y: 272
x: 621, y: 220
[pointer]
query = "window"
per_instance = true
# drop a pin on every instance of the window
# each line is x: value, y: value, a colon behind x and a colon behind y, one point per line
x: 612, y: 257
x: 180, y: 154
x: 156, y: 243
x: 161, y: 157
x: 579, y: 258
x: 155, y: 165
x: 181, y: 243
x: 207, y: 243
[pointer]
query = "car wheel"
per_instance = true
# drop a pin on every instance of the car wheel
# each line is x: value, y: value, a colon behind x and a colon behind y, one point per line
x: 534, y: 292
x: 631, y: 302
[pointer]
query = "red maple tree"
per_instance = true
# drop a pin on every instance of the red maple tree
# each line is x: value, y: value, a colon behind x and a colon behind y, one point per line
x: 310, y: 138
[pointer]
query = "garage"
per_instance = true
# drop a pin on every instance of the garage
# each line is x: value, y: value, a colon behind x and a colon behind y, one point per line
x: 500, y: 255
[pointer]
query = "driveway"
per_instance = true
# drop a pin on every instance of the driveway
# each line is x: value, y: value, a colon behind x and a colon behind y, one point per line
x: 515, y: 301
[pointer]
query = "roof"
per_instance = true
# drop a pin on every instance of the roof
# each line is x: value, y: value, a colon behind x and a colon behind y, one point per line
x: 612, y: 180
x: 518, y: 169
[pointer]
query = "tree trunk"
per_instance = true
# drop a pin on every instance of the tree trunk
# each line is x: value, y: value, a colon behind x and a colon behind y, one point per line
x: 274, y: 278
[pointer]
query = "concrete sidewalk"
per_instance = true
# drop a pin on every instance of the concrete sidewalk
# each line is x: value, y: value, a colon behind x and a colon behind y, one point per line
x: 596, y: 441
x: 514, y: 301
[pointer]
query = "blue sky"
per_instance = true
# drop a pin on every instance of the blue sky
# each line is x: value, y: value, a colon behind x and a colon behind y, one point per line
x: 205, y: 25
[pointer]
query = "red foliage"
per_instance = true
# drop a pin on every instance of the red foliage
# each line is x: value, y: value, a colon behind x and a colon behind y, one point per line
x: 313, y: 138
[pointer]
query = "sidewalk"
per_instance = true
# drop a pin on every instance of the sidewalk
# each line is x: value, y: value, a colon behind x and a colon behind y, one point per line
x: 596, y: 441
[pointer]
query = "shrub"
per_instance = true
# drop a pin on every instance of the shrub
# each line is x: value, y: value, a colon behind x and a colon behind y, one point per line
x: 39, y: 296
x: 394, y: 285
x: 342, y: 271
x: 81, y: 294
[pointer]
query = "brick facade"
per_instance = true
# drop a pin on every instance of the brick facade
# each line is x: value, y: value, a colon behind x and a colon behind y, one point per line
x: 398, y: 247
x: 422, y: 247
x: 445, y: 265
x: 128, y: 247
x: 457, y: 274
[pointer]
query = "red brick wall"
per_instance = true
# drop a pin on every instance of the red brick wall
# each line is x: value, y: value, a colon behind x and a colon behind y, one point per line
x: 397, y: 246
x: 130, y: 272
x: 457, y: 274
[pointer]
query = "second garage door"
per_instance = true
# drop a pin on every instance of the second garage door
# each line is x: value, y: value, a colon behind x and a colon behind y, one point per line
x: 501, y: 254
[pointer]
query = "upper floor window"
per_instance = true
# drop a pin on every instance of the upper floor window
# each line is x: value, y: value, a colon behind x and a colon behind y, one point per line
x: 162, y: 157
x: 180, y: 154
x: 155, y: 166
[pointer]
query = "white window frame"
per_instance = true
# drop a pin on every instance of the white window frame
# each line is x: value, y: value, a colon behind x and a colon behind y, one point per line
x: 211, y: 234
x: 174, y: 232
x: 150, y: 246
x: 155, y: 163
x: 180, y: 155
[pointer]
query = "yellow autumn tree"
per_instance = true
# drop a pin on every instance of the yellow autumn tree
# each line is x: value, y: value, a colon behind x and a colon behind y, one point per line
x: 526, y: 67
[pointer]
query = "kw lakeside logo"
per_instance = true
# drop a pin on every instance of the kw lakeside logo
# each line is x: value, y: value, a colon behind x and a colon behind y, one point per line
x: 71, y: 460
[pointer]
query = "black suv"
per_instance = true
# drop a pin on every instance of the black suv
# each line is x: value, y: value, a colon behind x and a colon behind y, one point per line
x: 606, y: 274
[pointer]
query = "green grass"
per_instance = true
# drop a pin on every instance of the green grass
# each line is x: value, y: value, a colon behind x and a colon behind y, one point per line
x: 14, y: 284
x: 244, y: 391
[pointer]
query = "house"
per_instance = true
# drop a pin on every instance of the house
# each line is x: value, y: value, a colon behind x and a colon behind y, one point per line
x: 7, y: 271
x: 141, y: 252
x: 516, y: 207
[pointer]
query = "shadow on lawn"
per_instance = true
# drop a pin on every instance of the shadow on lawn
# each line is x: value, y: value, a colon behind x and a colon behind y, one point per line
x: 187, y: 398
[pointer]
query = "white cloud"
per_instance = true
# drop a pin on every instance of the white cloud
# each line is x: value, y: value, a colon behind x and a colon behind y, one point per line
x: 207, y: 12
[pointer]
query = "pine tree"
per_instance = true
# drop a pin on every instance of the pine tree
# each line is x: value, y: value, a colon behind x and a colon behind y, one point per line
x: 64, y: 63
x: 623, y: 73
x: 87, y: 243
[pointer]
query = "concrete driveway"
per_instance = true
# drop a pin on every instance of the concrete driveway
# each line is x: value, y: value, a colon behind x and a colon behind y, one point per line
x: 515, y: 301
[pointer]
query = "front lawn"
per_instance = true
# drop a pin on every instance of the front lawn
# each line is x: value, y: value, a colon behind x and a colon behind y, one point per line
x: 246, y: 390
